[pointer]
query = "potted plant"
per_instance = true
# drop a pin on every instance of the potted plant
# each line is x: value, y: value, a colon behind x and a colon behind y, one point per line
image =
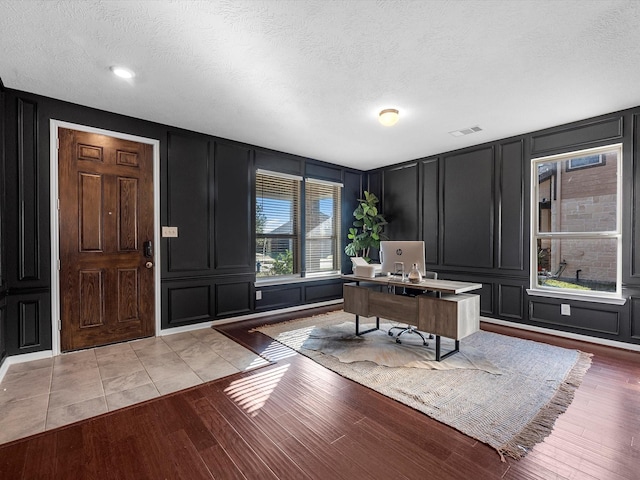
x: 367, y: 228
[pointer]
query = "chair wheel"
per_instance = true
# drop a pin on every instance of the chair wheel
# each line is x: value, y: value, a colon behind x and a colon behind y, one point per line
x: 398, y: 340
x: 390, y: 334
x: 426, y: 344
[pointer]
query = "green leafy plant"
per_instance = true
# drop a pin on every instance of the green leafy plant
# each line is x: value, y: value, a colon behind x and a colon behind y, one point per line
x: 367, y: 230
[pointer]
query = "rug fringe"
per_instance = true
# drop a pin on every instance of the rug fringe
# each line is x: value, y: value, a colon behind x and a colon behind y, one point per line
x: 542, y: 424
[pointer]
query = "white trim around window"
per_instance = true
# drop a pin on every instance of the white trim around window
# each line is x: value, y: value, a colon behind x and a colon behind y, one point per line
x: 554, y: 229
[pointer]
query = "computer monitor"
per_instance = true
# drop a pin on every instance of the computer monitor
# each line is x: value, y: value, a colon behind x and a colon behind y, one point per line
x: 405, y: 252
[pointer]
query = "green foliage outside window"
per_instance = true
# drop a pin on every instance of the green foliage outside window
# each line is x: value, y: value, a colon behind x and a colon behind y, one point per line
x: 261, y: 218
x: 282, y: 264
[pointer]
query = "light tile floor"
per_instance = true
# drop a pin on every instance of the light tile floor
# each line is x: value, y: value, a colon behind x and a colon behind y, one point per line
x: 44, y: 394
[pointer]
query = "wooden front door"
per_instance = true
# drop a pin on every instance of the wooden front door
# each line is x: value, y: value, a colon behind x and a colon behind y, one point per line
x: 106, y: 219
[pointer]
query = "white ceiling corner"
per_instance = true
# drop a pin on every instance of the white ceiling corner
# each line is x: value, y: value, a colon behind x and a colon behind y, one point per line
x: 309, y: 76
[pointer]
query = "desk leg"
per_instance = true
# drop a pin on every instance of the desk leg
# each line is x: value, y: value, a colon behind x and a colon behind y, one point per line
x: 448, y: 354
x: 358, y: 332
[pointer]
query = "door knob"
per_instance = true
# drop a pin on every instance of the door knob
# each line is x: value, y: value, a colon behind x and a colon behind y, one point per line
x: 149, y: 264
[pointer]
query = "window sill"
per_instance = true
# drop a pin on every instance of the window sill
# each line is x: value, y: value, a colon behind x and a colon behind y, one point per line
x: 611, y: 300
x: 284, y: 281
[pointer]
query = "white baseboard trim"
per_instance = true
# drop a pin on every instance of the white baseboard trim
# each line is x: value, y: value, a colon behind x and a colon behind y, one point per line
x: 25, y: 357
x: 199, y: 326
x: 186, y: 328
x: 4, y: 368
x: 559, y: 333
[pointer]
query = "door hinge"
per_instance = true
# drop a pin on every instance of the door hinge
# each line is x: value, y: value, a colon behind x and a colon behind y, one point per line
x: 58, y: 264
x: 58, y: 143
x: 59, y: 325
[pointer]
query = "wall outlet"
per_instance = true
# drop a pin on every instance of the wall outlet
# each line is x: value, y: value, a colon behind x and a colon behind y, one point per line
x: 565, y: 309
x: 169, y: 231
x: 258, y: 294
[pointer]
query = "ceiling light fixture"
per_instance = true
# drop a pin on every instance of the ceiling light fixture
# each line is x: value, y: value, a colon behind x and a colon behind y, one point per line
x: 122, y: 72
x: 388, y: 117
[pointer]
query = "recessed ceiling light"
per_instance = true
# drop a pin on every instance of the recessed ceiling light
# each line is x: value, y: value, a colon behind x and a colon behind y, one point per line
x: 122, y: 72
x: 388, y: 117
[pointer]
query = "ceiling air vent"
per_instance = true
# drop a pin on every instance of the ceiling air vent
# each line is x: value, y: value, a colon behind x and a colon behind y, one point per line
x: 466, y: 131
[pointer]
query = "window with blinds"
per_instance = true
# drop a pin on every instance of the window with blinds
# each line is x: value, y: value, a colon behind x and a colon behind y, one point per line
x: 322, y: 227
x: 277, y: 224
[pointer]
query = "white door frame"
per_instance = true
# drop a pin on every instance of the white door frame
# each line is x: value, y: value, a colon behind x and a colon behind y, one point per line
x: 55, y: 227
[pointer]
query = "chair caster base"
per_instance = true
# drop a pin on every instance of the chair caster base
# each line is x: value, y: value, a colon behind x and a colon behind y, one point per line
x: 409, y: 330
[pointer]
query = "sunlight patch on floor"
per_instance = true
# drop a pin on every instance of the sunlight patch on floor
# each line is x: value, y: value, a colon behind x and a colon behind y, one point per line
x: 251, y: 393
x: 257, y: 362
x: 276, y: 351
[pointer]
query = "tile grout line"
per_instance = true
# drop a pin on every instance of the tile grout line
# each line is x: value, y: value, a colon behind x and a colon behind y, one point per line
x: 153, y: 382
x: 46, y: 413
x: 185, y: 362
x: 93, y: 350
x: 104, y: 393
x: 145, y: 368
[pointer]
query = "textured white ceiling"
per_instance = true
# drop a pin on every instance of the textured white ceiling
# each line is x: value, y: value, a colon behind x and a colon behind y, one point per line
x: 309, y: 76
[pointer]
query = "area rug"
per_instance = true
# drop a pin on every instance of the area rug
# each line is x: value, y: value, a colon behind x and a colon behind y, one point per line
x: 503, y: 391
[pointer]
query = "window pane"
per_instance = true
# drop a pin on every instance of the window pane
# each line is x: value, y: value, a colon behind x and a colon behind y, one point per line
x: 275, y: 256
x: 578, y: 194
x: 322, y: 217
x: 276, y: 204
x: 578, y: 264
x: 277, y: 225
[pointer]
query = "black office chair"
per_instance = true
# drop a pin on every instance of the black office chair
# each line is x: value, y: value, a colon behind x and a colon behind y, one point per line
x: 411, y: 328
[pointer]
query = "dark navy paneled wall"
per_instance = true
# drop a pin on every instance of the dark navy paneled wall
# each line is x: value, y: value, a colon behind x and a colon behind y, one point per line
x: 474, y: 218
x: 3, y: 281
x: 471, y: 206
x: 206, y: 190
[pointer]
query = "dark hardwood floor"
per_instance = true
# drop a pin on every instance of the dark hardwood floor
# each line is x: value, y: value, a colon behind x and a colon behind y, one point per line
x: 294, y: 419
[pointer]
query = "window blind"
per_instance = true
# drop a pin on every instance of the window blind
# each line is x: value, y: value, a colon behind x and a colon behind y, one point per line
x: 277, y: 224
x: 322, y: 227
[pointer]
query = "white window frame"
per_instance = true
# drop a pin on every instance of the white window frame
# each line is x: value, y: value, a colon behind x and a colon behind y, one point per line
x: 301, y: 235
x: 298, y: 234
x: 597, y: 296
